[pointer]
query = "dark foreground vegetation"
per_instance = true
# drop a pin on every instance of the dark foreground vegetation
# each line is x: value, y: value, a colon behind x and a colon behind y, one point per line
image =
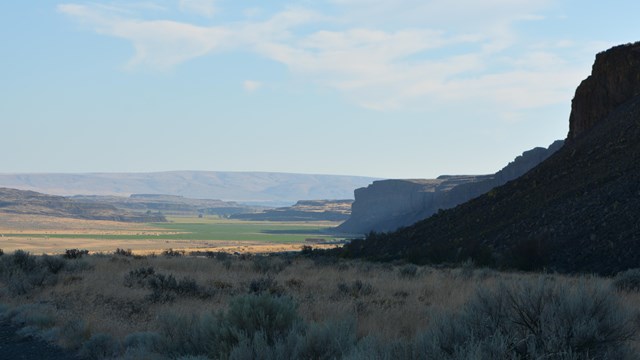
x: 220, y: 306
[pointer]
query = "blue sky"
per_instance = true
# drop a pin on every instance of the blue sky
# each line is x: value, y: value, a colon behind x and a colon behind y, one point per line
x: 393, y: 89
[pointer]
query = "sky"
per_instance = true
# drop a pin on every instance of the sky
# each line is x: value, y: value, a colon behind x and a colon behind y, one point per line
x: 389, y: 89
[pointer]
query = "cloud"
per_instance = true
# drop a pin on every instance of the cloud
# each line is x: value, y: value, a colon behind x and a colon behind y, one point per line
x: 380, y: 54
x: 160, y: 44
x: 251, y: 85
x: 204, y: 8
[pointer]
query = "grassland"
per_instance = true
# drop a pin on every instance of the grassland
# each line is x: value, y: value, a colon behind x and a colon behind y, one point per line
x: 44, y: 235
x: 296, y: 307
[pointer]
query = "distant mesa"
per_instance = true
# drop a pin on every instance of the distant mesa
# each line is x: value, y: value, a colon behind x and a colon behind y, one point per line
x: 303, y: 210
x: 387, y: 205
x: 577, y: 211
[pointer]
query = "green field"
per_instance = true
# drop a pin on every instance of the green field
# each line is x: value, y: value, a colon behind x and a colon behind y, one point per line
x: 213, y: 229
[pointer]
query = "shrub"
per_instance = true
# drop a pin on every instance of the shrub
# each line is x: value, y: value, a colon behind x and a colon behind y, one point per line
x: 75, y: 253
x: 408, y: 271
x: 149, y: 341
x: 33, y: 315
x: 269, y: 264
x: 173, y: 253
x: 73, y: 334
x: 165, y: 288
x: 24, y: 261
x: 265, y: 285
x: 248, y: 315
x: 628, y: 280
x: 1, y: 252
x: 52, y: 263
x: 138, y: 276
x: 357, y: 289
x: 533, y: 319
x: 331, y: 340
x: 77, y: 266
x: 100, y: 346
x: 123, y: 252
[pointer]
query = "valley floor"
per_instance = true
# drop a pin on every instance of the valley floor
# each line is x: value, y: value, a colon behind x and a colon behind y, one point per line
x: 51, y: 235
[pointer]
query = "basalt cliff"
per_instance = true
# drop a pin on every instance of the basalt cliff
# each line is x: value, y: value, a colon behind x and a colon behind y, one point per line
x: 577, y: 211
x: 387, y: 205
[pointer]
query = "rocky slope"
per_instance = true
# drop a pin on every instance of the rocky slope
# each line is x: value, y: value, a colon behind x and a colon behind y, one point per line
x: 30, y: 202
x: 304, y: 210
x: 577, y: 211
x: 387, y: 205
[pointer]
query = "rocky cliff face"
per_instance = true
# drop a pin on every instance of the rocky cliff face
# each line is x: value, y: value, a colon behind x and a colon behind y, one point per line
x: 615, y: 78
x: 577, y: 211
x: 389, y: 204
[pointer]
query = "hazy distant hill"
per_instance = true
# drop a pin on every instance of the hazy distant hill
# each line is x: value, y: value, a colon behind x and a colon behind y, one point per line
x: 33, y: 203
x: 576, y: 211
x: 169, y: 204
x: 276, y: 189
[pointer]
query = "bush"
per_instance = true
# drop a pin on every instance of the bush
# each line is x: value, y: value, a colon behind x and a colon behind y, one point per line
x: 53, y: 264
x: 123, y: 252
x: 164, y: 288
x: 628, y: 281
x: 533, y: 319
x: 269, y: 264
x: 23, y: 272
x: 357, y: 289
x: 145, y: 340
x: 173, y: 253
x: 73, y: 334
x: 138, y: 277
x: 408, y: 271
x: 75, y: 253
x: 265, y: 285
x: 1, y: 252
x: 248, y: 315
x: 23, y: 261
x: 100, y: 346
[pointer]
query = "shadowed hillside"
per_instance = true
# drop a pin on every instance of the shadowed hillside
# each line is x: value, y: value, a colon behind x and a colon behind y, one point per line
x: 577, y: 211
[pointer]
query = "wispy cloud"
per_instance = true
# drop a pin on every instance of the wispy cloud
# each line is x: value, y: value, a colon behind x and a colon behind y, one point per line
x: 199, y: 7
x: 251, y: 85
x: 381, y: 54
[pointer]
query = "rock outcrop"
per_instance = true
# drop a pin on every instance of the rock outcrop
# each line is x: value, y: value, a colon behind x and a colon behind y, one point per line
x: 577, y: 211
x: 387, y: 205
x: 614, y: 79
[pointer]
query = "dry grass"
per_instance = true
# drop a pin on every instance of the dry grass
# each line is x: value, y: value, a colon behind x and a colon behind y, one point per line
x: 390, y: 304
x: 385, y: 300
